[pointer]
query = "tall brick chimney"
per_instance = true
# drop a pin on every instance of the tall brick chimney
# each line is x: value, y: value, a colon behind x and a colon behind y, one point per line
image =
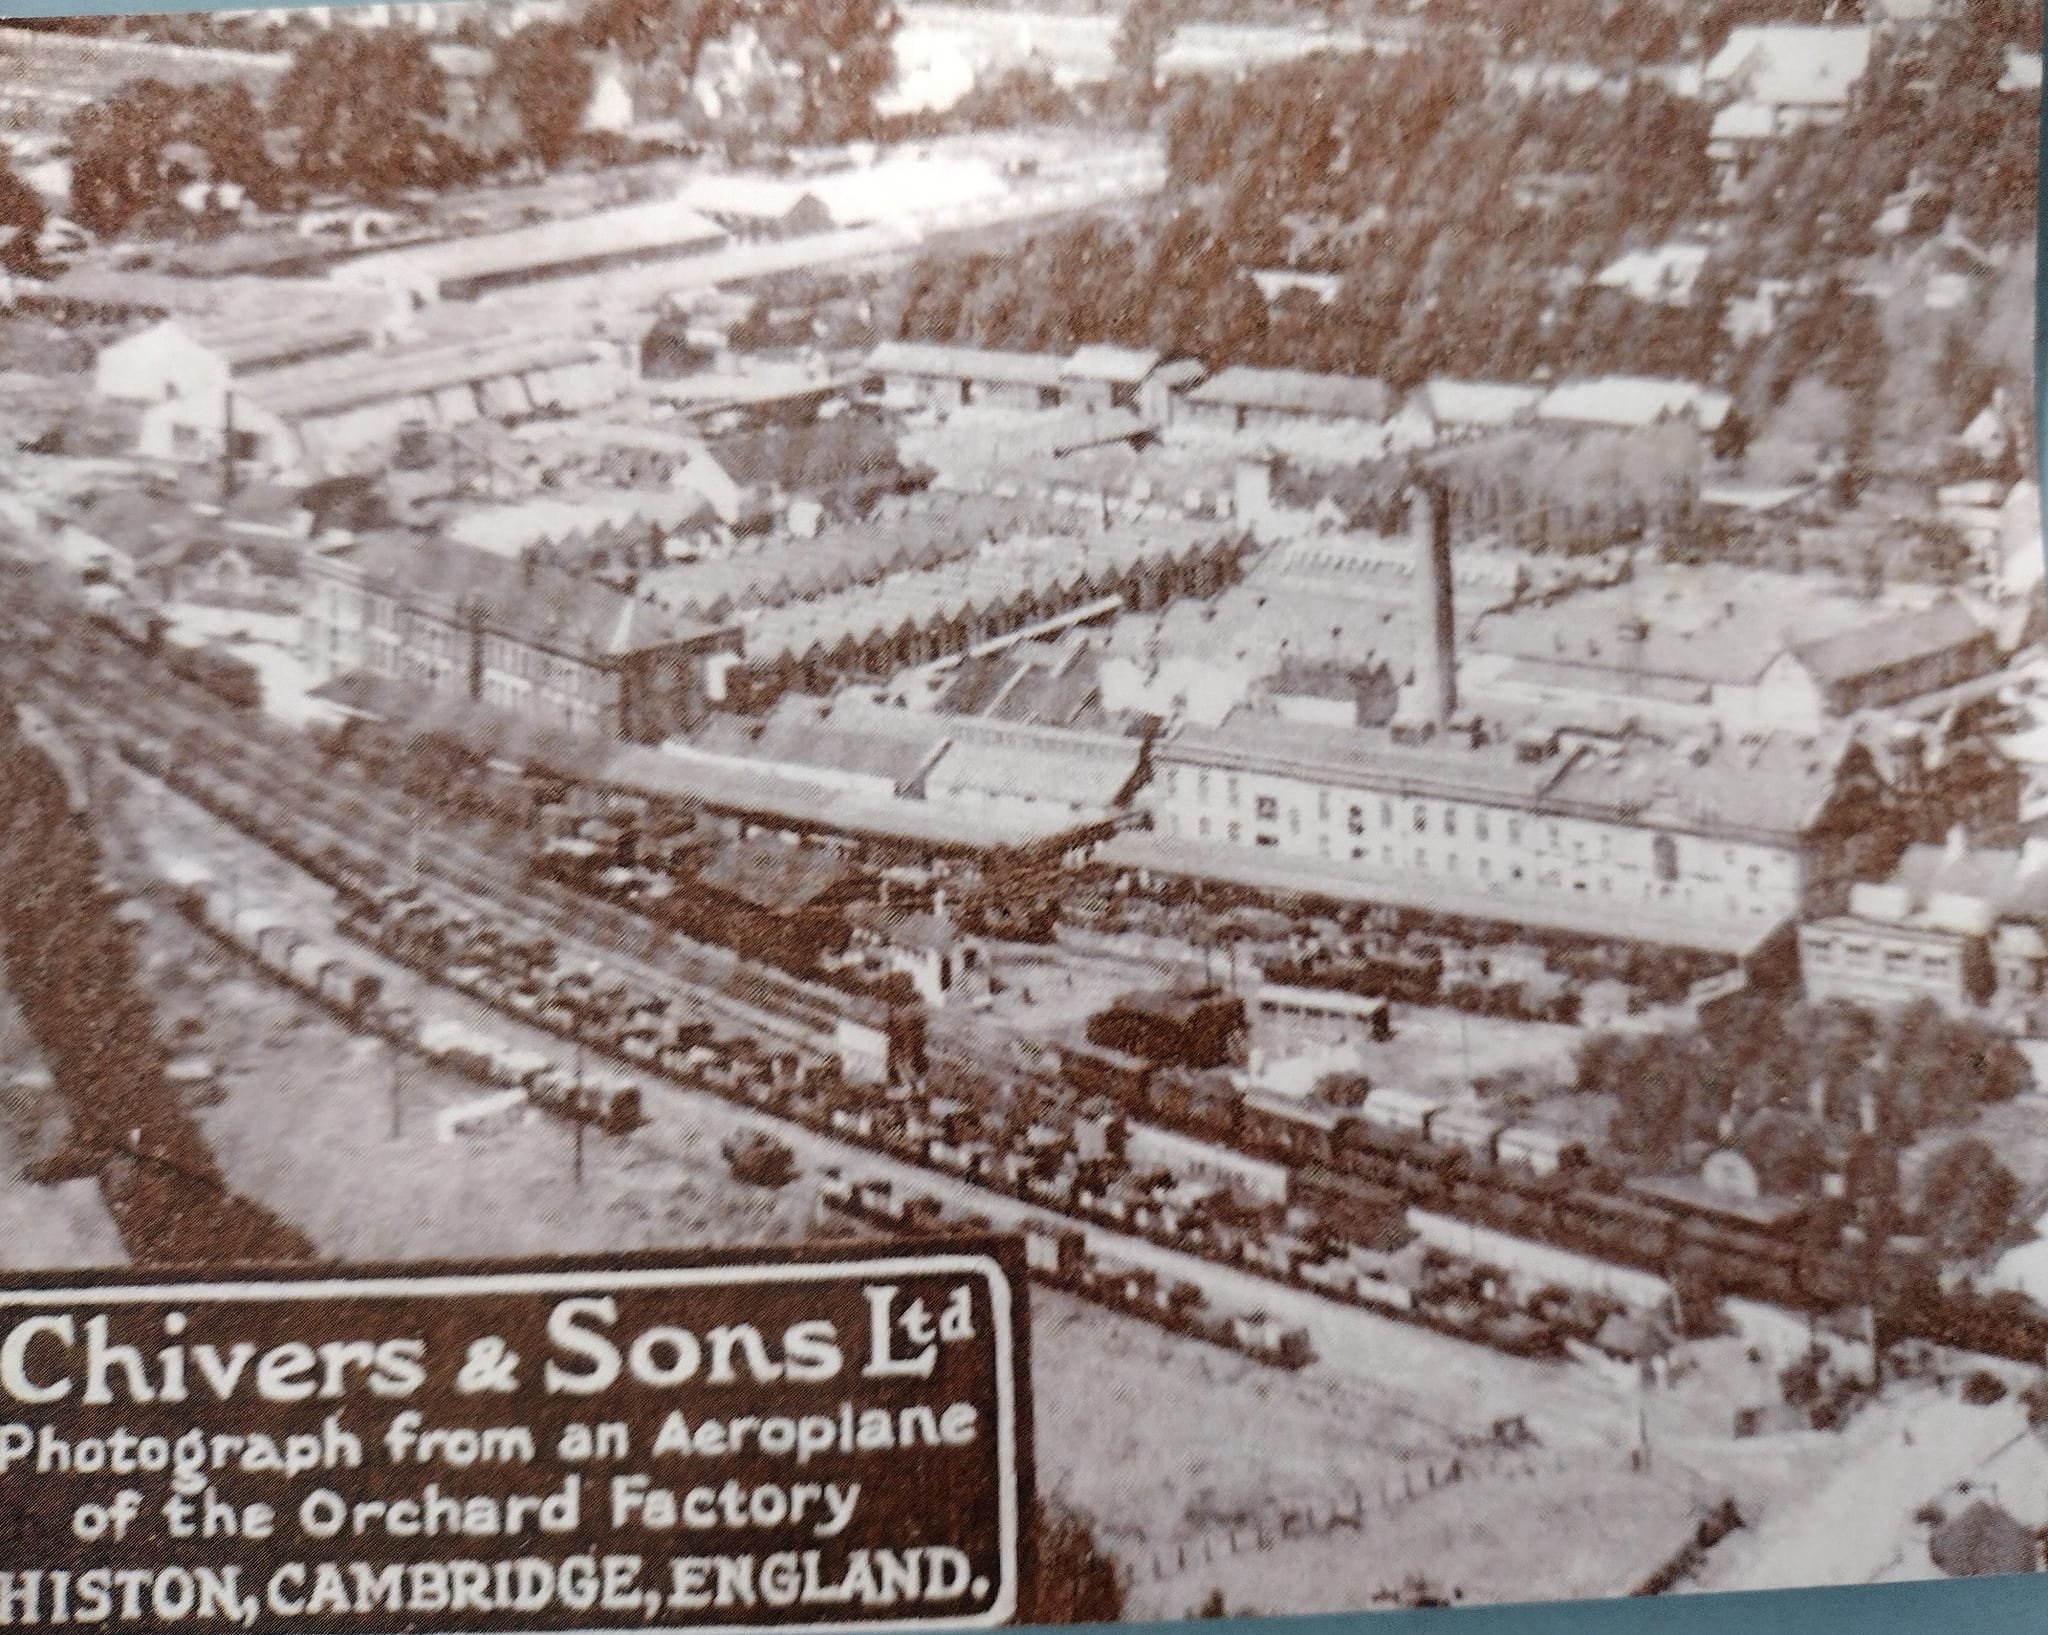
x: 1436, y: 640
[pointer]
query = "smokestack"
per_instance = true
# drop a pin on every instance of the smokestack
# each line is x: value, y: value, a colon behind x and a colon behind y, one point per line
x: 1436, y: 656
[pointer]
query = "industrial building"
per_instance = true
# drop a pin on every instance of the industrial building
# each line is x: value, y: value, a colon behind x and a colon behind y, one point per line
x: 1962, y: 926
x: 1714, y: 847
x: 338, y: 412
x: 450, y: 621
x: 460, y: 269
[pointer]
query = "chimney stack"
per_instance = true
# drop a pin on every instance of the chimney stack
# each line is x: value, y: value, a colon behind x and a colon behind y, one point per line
x: 1436, y: 655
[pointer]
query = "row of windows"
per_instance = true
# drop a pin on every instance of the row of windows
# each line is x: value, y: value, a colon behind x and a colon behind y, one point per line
x: 1422, y: 818
x: 1422, y: 859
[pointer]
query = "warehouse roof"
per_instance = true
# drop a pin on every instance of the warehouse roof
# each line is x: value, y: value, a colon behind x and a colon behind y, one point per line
x: 966, y: 363
x: 1904, y: 638
x: 819, y: 808
x: 1119, y: 365
x: 1296, y: 391
x: 327, y: 386
x: 630, y: 231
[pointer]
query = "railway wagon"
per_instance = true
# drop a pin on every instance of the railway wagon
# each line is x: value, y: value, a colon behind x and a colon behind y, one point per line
x: 308, y: 960
x: 349, y: 988
x: 232, y: 680
x: 275, y: 944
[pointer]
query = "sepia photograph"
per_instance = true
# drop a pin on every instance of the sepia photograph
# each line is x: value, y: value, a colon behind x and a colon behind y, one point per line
x: 1348, y: 698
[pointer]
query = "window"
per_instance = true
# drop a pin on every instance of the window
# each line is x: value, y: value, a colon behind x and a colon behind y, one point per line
x: 1173, y: 780
x: 1266, y: 809
x: 1418, y: 818
x: 1236, y: 833
x: 1386, y: 814
x: 1204, y: 829
x: 1356, y: 822
x: 1450, y: 820
x: 1201, y: 786
x: 1422, y: 857
x: 1294, y: 820
x: 1322, y: 806
x: 1481, y: 829
x: 1230, y: 791
x: 1514, y: 831
x: 1664, y: 857
x: 1268, y: 840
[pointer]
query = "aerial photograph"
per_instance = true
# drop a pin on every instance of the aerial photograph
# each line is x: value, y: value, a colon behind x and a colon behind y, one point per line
x: 1374, y: 671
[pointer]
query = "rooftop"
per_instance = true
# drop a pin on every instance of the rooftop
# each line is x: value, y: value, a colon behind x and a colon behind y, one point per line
x: 542, y: 606
x: 1296, y: 391
x: 639, y: 230
x: 1789, y: 65
x: 1772, y: 786
x: 1902, y: 638
x: 1634, y: 400
x: 1119, y: 365
x: 1043, y: 369
x: 333, y: 385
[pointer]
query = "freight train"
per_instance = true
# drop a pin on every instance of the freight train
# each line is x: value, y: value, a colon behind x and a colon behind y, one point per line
x: 233, y: 681
x: 1358, y: 1164
x: 356, y: 995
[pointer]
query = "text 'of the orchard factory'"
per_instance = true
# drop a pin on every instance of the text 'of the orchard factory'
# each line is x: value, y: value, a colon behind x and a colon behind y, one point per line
x: 812, y: 1443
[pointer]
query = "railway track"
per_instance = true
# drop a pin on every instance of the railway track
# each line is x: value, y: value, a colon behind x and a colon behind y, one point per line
x: 284, y: 795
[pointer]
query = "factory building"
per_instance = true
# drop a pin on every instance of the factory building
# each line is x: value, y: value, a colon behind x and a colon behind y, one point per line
x: 403, y: 617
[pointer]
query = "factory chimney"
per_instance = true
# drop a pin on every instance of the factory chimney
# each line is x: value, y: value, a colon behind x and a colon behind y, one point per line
x: 1436, y: 641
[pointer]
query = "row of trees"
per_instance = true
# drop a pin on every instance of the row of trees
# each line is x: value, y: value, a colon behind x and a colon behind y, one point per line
x: 1803, y: 1090
x: 1462, y: 227
x: 71, y: 968
x: 374, y: 113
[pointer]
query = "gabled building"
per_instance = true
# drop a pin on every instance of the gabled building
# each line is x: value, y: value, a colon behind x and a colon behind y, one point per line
x: 1245, y: 400
x: 535, y: 643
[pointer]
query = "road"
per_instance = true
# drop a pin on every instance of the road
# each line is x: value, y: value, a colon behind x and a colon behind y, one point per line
x: 1849, y: 1529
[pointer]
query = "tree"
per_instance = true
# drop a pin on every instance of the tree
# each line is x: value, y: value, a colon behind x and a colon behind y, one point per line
x: 845, y: 56
x: 1141, y: 38
x: 1073, y: 1582
x: 542, y: 74
x: 368, y: 110
x: 1731, y: 437
x: 22, y: 217
x: 1967, y: 1202
x: 132, y: 153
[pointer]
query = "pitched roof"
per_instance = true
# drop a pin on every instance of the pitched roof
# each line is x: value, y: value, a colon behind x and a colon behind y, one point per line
x: 1296, y: 391
x: 1119, y: 365
x: 544, y: 607
x: 328, y: 386
x: 663, y: 227
x: 1789, y: 65
x: 1634, y: 400
x: 1901, y: 639
x: 966, y: 363
x: 1478, y: 402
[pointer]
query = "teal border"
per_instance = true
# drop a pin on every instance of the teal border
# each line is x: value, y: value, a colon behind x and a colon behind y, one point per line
x: 1982, y: 1606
